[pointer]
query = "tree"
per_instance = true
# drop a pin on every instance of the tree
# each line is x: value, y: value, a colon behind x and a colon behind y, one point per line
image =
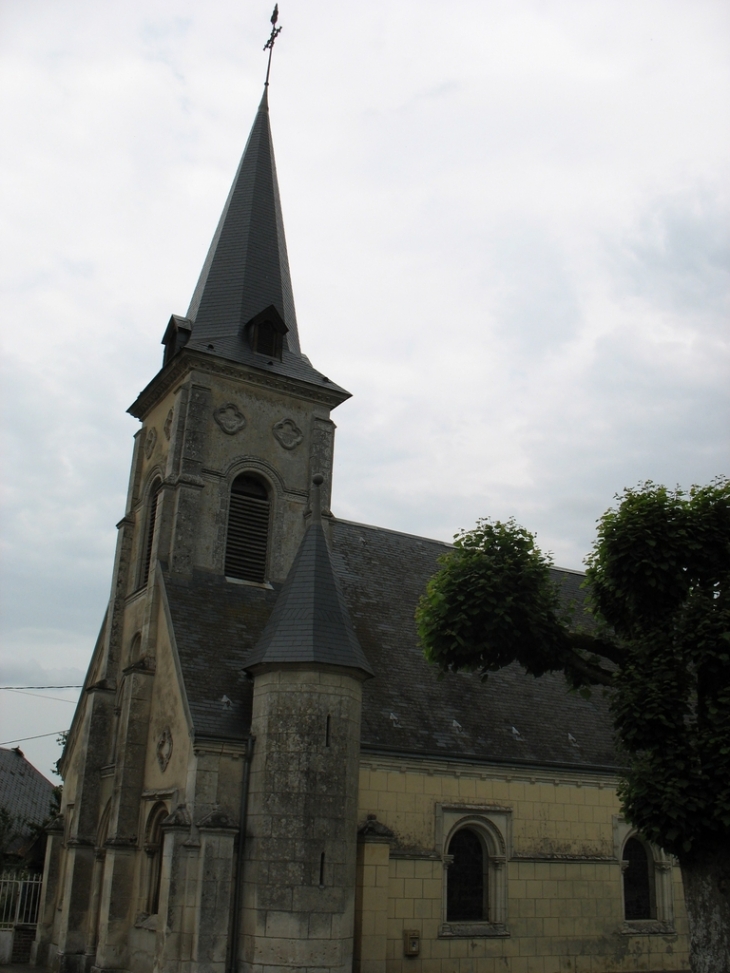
x: 12, y: 829
x: 656, y: 635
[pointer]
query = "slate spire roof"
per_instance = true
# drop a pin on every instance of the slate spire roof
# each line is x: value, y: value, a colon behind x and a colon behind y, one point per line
x: 247, y: 267
x: 246, y: 272
x: 310, y: 621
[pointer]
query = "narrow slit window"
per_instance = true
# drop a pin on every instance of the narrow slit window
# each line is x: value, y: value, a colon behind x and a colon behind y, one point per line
x: 321, y: 870
x: 247, y: 539
x: 153, y: 847
x: 151, y: 523
x: 327, y: 732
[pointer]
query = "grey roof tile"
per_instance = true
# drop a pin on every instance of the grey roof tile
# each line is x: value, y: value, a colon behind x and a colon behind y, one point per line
x: 407, y: 708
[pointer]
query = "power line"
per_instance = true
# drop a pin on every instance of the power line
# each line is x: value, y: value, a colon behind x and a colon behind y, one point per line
x: 42, y: 687
x: 22, y: 692
x: 37, y: 737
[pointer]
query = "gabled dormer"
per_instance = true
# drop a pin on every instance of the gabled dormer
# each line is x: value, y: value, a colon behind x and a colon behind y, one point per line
x: 266, y: 333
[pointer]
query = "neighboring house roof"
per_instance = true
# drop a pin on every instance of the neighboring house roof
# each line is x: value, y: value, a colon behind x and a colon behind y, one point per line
x: 24, y: 792
x: 407, y: 708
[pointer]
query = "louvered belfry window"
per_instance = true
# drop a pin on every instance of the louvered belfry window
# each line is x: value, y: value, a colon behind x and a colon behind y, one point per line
x: 151, y: 520
x: 248, y: 529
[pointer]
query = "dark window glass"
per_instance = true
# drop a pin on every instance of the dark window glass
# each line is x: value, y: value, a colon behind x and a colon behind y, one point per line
x: 154, y: 850
x: 248, y: 530
x: 637, y: 885
x: 151, y: 520
x: 267, y: 340
x: 465, y: 878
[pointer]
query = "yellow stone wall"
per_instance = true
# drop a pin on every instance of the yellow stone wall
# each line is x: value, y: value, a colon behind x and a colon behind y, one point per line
x: 563, y: 908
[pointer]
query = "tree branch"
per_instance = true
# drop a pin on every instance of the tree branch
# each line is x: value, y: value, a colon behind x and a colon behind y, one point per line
x: 584, y: 642
x: 594, y: 674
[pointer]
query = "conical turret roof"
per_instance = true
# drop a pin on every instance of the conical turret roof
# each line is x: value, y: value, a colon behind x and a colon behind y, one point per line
x: 310, y: 621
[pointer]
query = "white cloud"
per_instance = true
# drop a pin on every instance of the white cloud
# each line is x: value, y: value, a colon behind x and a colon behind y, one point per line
x: 507, y: 232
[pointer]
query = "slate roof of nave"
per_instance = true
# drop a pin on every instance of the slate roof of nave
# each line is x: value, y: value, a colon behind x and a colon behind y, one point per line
x: 407, y: 708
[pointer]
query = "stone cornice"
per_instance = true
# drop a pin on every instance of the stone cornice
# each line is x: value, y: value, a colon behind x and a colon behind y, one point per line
x: 187, y: 361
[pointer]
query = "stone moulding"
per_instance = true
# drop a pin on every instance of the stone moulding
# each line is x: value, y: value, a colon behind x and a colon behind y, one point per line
x: 187, y: 362
x: 217, y: 820
x: 150, y: 442
x: 179, y: 817
x: 472, y: 930
x: 163, y: 750
x: 287, y: 434
x: 230, y: 418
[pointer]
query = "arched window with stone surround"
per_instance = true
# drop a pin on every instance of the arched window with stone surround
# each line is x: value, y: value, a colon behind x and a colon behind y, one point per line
x: 638, y: 880
x: 475, y: 873
x: 149, y: 537
x: 153, y: 847
x: 247, y: 536
x: 466, y: 888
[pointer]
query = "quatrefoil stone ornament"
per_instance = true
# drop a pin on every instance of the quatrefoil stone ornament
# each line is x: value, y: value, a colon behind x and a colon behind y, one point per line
x: 164, y: 749
x: 150, y: 441
x: 230, y: 418
x: 288, y: 434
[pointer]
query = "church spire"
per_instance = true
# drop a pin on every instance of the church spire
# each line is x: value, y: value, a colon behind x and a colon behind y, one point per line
x: 242, y: 308
x: 247, y: 268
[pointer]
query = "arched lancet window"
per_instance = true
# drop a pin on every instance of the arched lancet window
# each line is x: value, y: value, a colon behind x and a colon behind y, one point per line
x: 150, y: 534
x: 638, y: 880
x: 466, y: 890
x: 135, y: 649
x: 247, y: 539
x: 98, y: 872
x: 153, y: 847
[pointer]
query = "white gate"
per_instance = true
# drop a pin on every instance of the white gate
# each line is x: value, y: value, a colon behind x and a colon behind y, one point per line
x: 20, y: 896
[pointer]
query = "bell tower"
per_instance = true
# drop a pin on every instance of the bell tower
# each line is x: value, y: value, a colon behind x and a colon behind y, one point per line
x: 237, y: 420
x: 235, y: 425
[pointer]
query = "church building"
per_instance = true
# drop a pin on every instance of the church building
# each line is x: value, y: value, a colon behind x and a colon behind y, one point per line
x: 263, y: 774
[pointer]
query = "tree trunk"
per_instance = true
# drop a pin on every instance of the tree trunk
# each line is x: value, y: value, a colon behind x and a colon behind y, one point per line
x: 706, y: 879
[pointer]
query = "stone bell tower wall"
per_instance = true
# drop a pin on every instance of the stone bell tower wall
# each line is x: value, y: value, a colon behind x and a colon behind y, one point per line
x: 217, y: 421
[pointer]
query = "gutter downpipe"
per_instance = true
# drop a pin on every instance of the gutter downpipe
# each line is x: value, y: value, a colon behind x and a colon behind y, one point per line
x: 238, y: 886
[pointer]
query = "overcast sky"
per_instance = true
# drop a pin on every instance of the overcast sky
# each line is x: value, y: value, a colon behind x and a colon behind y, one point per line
x: 508, y: 234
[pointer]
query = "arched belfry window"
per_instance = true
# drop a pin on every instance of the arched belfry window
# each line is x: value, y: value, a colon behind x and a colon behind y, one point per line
x: 153, y: 847
x: 638, y: 880
x: 247, y: 539
x: 150, y: 532
x: 466, y: 890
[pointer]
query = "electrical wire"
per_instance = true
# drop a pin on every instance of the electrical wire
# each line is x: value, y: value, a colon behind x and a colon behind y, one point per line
x: 42, y: 687
x: 37, y: 737
x: 22, y: 692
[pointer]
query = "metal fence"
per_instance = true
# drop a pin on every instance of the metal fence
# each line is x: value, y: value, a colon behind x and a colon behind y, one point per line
x: 20, y: 895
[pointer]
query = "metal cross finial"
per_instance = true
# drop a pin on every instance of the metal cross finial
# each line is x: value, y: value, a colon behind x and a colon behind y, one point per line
x: 269, y: 45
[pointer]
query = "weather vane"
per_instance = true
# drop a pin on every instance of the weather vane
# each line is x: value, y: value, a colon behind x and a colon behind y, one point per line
x: 269, y: 45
